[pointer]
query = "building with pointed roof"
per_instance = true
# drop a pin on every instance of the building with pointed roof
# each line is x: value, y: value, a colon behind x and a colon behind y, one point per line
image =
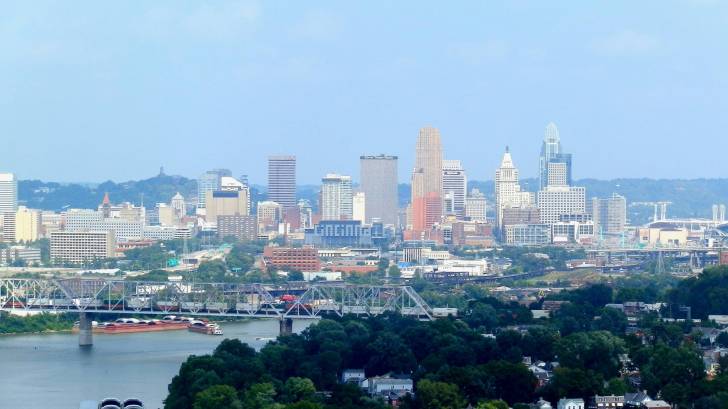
x: 508, y: 191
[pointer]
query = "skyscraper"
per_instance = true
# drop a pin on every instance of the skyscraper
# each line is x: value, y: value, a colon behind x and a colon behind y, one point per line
x: 209, y: 182
x: 427, y: 180
x: 8, y: 193
x: 8, y: 205
x: 610, y: 214
x: 336, y: 197
x: 551, y: 154
x: 508, y: 189
x: 379, y: 184
x: 455, y: 184
x: 282, y: 180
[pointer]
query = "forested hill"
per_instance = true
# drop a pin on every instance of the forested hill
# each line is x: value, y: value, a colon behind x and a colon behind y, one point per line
x: 56, y: 196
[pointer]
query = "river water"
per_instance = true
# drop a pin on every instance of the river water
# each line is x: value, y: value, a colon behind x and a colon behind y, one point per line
x: 51, y: 371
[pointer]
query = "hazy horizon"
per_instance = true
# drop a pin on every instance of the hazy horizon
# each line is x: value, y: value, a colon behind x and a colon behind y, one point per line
x: 116, y: 90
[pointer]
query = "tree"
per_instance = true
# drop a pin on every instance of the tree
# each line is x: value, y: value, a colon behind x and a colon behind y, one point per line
x: 394, y: 271
x: 217, y: 397
x: 260, y: 396
x: 389, y: 353
x: 611, y: 320
x: 297, y: 389
x: 482, y: 315
x: 295, y: 275
x: 597, y: 351
x: 438, y: 395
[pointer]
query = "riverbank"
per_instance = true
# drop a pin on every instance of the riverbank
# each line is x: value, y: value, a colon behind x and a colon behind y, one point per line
x: 36, y: 324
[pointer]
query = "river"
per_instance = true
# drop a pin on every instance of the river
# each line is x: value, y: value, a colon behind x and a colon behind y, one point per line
x: 41, y: 371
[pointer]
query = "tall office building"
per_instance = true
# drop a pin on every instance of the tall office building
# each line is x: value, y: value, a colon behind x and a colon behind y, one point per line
x: 475, y: 206
x: 427, y: 180
x: 455, y: 184
x: 282, y: 180
x: 336, y: 197
x: 557, y: 201
x: 8, y: 193
x: 379, y: 185
x: 209, y: 182
x: 551, y: 153
x: 610, y: 214
x: 508, y: 191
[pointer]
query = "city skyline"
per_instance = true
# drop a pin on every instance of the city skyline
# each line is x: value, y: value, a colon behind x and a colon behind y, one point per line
x: 240, y: 81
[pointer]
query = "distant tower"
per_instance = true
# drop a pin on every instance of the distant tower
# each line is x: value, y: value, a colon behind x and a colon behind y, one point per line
x: 379, y: 185
x: 427, y: 180
x: 454, y: 184
x: 336, y: 197
x: 106, y: 206
x: 553, y: 158
x: 282, y: 180
x: 508, y: 189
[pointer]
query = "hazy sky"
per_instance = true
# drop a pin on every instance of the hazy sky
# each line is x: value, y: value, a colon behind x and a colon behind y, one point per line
x: 96, y: 90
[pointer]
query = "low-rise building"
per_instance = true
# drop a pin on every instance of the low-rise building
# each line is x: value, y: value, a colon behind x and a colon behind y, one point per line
x: 607, y: 402
x: 26, y: 255
x: 291, y: 258
x: 355, y: 376
x: 570, y: 403
x: 387, y: 386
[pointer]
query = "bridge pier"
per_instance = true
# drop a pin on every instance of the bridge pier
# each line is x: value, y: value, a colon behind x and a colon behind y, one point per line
x: 286, y: 326
x: 85, y: 331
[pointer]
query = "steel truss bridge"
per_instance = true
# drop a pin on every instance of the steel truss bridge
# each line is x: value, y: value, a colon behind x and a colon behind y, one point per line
x: 292, y: 301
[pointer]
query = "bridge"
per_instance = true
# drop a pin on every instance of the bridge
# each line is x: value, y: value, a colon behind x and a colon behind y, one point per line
x: 284, y: 302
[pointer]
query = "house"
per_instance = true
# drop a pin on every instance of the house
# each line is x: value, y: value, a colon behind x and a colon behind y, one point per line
x: 606, y: 402
x: 636, y: 400
x: 656, y: 404
x: 707, y: 334
x: 388, y: 386
x: 568, y: 403
x: 353, y: 376
x: 542, y: 374
x: 541, y: 404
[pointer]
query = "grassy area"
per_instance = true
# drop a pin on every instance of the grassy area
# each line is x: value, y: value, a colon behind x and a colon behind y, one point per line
x: 574, y: 277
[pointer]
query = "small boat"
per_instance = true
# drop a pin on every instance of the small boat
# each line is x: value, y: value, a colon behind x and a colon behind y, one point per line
x: 202, y: 327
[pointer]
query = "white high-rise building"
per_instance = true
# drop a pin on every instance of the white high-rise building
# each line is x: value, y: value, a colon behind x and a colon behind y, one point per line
x: 508, y: 191
x: 336, y: 197
x: 454, y: 183
x: 359, y: 207
x: 8, y: 193
x: 475, y: 206
x: 556, y: 201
